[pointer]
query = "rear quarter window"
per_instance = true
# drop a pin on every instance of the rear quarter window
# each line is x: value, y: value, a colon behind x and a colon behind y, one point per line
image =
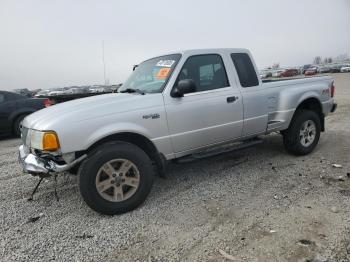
x: 245, y: 70
x: 2, y: 98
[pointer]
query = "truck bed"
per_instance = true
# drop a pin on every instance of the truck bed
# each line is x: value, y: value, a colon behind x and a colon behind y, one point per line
x: 269, y: 80
x: 294, y: 81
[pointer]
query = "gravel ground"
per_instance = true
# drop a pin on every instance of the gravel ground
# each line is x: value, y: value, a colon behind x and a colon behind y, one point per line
x: 259, y: 204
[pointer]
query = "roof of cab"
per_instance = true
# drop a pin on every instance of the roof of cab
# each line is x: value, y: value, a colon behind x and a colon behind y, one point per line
x: 189, y: 52
x: 203, y: 51
x: 209, y: 50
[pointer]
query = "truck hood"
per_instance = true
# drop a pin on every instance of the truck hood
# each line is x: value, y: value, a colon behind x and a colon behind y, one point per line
x: 90, y: 108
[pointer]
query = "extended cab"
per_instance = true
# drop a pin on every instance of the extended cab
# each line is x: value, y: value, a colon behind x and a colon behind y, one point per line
x: 171, y: 107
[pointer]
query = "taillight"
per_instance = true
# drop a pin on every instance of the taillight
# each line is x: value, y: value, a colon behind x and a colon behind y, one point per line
x: 48, y: 102
x: 332, y: 90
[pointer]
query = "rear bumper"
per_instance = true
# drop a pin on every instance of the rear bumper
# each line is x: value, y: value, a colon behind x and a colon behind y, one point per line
x: 329, y: 106
x: 35, y: 165
x: 334, y: 107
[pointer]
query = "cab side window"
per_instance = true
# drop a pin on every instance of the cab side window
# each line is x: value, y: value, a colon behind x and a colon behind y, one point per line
x: 245, y: 70
x: 207, y: 71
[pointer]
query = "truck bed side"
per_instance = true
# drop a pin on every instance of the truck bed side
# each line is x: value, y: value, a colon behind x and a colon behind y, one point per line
x: 284, y: 97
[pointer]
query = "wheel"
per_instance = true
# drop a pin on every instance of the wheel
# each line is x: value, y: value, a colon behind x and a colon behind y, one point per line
x: 116, y: 178
x: 17, y: 125
x: 303, y: 133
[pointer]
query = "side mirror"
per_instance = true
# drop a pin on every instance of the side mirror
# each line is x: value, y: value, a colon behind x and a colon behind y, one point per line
x: 183, y: 87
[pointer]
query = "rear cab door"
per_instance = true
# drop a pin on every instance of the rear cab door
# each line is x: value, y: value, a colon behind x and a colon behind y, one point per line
x: 210, y: 115
x: 255, y: 96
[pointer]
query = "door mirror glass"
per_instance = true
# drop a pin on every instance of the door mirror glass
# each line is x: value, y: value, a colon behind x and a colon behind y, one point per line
x: 184, y: 86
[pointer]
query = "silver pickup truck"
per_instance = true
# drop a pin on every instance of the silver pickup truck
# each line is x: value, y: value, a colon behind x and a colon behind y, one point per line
x: 175, y: 106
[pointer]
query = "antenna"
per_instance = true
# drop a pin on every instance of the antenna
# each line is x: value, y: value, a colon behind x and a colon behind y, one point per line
x: 103, y: 61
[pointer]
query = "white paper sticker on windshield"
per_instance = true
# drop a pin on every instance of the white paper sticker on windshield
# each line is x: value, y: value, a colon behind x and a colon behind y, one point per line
x: 165, y: 63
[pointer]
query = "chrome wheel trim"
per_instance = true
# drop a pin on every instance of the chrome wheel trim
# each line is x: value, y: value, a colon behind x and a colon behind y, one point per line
x: 117, y: 180
x: 307, y: 133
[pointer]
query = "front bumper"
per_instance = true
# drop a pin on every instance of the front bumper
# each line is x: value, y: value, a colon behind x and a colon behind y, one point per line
x: 35, y: 165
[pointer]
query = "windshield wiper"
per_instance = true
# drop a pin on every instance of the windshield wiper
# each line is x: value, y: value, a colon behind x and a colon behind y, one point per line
x: 132, y: 90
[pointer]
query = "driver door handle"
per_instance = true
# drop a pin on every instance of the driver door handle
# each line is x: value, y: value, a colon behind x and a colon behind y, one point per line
x: 231, y: 99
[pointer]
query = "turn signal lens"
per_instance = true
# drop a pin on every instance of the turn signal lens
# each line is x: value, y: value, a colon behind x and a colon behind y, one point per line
x: 50, y: 141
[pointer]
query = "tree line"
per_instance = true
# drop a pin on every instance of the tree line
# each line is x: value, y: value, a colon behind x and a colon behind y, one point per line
x: 327, y: 60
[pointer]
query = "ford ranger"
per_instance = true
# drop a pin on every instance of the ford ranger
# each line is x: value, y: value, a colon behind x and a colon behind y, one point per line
x: 173, y: 106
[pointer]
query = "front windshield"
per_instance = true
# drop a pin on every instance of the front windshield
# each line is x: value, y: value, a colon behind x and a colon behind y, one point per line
x: 151, y: 75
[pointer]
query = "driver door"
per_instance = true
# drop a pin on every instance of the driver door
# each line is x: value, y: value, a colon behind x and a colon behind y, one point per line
x: 208, y: 116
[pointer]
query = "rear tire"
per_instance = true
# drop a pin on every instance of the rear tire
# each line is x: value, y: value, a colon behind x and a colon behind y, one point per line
x: 17, y: 125
x: 303, y: 133
x: 116, y: 178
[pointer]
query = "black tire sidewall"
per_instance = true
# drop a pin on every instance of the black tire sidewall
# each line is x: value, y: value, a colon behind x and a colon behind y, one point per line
x: 16, y: 125
x: 89, y: 169
x: 291, y: 137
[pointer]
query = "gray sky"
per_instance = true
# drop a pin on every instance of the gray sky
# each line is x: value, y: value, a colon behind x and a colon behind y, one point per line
x: 45, y: 44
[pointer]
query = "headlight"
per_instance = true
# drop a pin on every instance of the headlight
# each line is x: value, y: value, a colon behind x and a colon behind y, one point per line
x: 44, y: 140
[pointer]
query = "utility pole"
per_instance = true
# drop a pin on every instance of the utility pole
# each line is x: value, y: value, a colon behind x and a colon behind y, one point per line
x: 103, y: 61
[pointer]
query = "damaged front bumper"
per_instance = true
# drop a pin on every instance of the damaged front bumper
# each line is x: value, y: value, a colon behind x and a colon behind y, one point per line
x: 35, y: 165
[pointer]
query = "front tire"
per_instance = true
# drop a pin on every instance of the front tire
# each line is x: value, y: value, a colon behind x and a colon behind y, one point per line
x: 116, y: 178
x: 17, y: 125
x: 303, y: 134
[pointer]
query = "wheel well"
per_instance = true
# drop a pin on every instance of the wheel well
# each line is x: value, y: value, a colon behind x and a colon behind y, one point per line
x: 139, y: 140
x: 313, y: 104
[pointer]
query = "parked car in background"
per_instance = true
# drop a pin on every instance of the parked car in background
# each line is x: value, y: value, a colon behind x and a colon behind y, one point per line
x: 265, y: 73
x: 14, y: 108
x: 96, y: 89
x: 335, y: 68
x: 345, y: 68
x: 57, y: 91
x: 289, y: 72
x: 42, y: 93
x: 323, y: 69
x: 64, y: 94
x: 77, y: 90
x: 306, y: 67
x: 24, y: 92
x: 311, y: 71
x: 277, y: 73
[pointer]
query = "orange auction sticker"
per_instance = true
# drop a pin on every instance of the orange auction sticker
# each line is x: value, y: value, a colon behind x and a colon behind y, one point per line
x: 163, y: 72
